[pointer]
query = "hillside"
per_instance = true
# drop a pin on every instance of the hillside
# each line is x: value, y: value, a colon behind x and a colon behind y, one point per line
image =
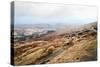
x: 74, y: 46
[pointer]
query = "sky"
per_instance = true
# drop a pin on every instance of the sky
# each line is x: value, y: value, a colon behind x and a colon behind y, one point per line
x: 44, y: 13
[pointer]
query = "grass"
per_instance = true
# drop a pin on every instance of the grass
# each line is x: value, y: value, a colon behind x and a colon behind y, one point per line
x: 92, y: 49
x: 92, y: 46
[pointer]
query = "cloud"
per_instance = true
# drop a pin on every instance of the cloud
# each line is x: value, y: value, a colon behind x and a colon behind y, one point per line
x: 50, y: 13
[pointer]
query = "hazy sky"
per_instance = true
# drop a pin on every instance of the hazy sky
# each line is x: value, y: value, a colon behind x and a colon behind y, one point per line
x: 36, y: 13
